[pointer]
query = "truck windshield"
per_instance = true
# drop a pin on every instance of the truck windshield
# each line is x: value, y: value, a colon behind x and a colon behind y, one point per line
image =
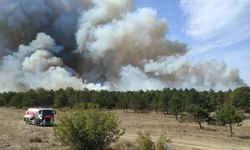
x: 48, y: 112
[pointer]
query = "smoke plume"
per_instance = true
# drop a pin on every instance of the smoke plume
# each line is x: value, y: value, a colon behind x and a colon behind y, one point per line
x: 97, y: 45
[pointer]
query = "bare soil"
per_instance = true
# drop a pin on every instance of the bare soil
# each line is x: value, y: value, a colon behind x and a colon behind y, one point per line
x: 16, y: 135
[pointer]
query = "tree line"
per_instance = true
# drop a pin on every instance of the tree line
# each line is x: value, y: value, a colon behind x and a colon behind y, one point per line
x: 167, y: 100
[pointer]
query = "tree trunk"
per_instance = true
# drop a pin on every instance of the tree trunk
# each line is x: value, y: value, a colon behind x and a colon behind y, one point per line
x: 231, y: 129
x: 176, y: 116
x: 200, y: 125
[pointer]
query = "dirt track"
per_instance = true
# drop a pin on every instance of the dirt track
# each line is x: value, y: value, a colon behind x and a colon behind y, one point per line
x: 16, y: 135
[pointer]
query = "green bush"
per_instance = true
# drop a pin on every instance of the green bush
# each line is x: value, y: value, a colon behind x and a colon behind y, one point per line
x: 87, y: 130
x: 163, y: 143
x: 144, y: 142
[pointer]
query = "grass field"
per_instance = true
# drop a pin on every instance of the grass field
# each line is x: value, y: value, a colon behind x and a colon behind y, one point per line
x: 16, y: 135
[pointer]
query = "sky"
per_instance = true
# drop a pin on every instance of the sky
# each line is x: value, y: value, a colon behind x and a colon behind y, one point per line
x: 213, y: 30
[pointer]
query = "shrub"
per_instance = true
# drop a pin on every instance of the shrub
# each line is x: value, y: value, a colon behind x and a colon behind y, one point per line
x: 163, y: 143
x: 88, y: 129
x: 144, y: 142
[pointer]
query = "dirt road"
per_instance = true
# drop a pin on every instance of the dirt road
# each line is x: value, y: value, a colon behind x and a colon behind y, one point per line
x: 16, y: 135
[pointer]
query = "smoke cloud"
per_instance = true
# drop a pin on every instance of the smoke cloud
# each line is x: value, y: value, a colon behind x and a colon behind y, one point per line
x: 35, y: 66
x: 176, y: 70
x: 97, y: 45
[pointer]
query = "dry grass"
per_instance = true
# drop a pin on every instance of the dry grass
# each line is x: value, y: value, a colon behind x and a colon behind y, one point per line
x: 186, y: 135
x: 16, y: 135
x: 123, y: 145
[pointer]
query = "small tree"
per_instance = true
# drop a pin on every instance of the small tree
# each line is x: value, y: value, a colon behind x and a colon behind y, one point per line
x: 228, y: 115
x: 162, y: 104
x: 88, y: 130
x: 176, y: 105
x: 241, y: 98
x: 145, y: 142
x: 2, y: 100
x: 16, y: 100
x: 60, y: 99
x: 198, y: 113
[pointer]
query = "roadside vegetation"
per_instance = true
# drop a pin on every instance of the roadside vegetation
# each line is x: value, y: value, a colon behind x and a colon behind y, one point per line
x: 87, y: 129
x: 145, y: 142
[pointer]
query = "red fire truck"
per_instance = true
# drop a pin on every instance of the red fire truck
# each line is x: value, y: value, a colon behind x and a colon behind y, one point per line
x: 40, y: 116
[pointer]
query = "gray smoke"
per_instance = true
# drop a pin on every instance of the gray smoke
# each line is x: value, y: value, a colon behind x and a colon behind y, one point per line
x: 176, y: 70
x: 133, y: 37
x: 97, y: 45
x: 35, y: 66
x: 21, y: 20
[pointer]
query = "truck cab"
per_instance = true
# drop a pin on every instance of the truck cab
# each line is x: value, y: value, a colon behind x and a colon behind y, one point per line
x: 40, y: 116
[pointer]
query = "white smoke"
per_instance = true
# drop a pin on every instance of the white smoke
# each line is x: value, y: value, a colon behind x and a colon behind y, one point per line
x: 165, y: 65
x: 99, y: 14
x: 132, y: 78
x: 107, y: 44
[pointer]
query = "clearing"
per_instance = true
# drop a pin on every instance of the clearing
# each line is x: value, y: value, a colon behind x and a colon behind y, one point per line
x: 16, y: 135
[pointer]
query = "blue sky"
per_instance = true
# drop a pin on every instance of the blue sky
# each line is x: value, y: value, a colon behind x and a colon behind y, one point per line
x: 212, y: 29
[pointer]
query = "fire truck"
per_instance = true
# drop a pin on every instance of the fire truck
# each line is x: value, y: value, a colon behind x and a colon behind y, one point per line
x: 40, y: 116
